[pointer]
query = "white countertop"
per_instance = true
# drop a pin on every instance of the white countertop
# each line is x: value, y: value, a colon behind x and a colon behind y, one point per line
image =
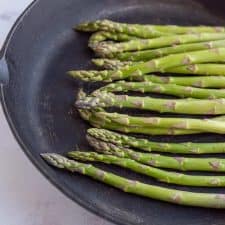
x: 27, y: 198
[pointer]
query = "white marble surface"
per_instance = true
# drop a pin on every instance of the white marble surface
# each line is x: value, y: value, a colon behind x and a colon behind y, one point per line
x: 27, y: 198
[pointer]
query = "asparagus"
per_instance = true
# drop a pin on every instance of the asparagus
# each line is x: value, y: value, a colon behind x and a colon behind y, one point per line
x: 149, y: 146
x: 111, y: 64
x: 203, y: 125
x: 141, y: 30
x: 145, y: 55
x: 108, y: 49
x: 157, y: 160
x: 90, y: 75
x: 136, y: 187
x: 94, y: 121
x: 107, y: 25
x: 104, y: 35
x: 195, y: 81
x: 156, y: 65
x: 159, y: 174
x: 169, y: 89
x: 183, y: 106
x: 196, y: 69
x: 199, y: 69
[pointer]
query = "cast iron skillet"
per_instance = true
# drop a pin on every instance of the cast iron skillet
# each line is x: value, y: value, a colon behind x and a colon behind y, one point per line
x: 37, y: 98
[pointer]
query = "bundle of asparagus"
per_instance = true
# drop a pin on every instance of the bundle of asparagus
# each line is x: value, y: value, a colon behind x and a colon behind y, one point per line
x: 131, y: 53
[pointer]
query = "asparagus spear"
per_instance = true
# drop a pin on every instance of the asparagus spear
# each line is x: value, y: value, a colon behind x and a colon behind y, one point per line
x: 111, y: 64
x: 183, y: 106
x: 149, y: 146
x: 135, y: 187
x: 203, y: 125
x: 108, y: 49
x: 104, y: 35
x: 169, y: 89
x: 195, y: 81
x: 156, y: 65
x: 159, y: 174
x: 199, y: 69
x: 94, y: 121
x: 145, y: 55
x: 141, y: 30
x: 156, y: 160
x: 106, y: 25
x: 196, y: 69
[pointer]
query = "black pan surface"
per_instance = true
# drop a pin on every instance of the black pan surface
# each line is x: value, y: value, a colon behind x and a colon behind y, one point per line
x: 38, y: 99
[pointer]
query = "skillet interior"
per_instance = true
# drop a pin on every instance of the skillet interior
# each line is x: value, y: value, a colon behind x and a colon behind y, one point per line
x: 39, y: 98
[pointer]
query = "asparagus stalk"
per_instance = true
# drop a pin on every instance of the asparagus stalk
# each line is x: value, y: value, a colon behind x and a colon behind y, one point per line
x: 107, y: 25
x: 156, y: 160
x: 104, y: 35
x: 169, y: 89
x: 135, y: 187
x: 199, y: 69
x: 108, y: 49
x: 149, y: 146
x: 94, y: 121
x: 183, y: 106
x: 194, y: 81
x: 196, y: 69
x: 203, y: 125
x: 145, y: 55
x: 142, y: 30
x: 111, y: 64
x: 159, y: 174
x: 90, y: 75
x: 156, y: 65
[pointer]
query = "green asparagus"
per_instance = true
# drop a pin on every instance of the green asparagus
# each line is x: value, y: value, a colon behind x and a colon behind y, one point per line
x: 194, y: 81
x: 96, y: 122
x: 159, y: 174
x: 111, y: 64
x: 169, y: 89
x: 145, y: 55
x: 104, y: 35
x: 157, y: 160
x: 156, y: 65
x: 107, y: 25
x: 199, y: 69
x: 196, y: 69
x: 149, y: 146
x: 102, y: 119
x: 182, y: 106
x: 135, y: 187
x: 108, y: 49
x: 142, y: 30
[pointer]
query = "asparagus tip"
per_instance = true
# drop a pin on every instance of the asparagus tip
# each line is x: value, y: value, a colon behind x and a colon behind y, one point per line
x: 73, y: 74
x: 51, y: 158
x: 82, y: 26
x: 97, y: 62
